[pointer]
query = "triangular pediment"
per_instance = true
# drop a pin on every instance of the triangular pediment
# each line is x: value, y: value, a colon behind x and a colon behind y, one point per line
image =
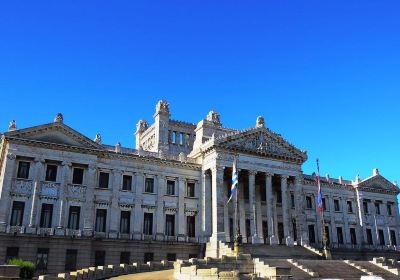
x: 377, y: 183
x: 263, y: 142
x: 56, y: 133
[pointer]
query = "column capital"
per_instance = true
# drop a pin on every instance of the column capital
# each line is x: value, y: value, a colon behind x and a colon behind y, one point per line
x: 39, y: 160
x: 117, y: 171
x: 268, y: 174
x: 217, y: 169
x: 252, y: 172
x: 181, y: 179
x: 284, y: 176
x: 66, y: 163
x: 92, y: 167
x: 11, y: 156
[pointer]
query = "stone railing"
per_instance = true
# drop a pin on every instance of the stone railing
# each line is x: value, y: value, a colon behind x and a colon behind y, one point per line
x: 108, y: 271
x: 9, y: 272
x: 49, y: 190
x: 22, y: 187
x: 76, y: 192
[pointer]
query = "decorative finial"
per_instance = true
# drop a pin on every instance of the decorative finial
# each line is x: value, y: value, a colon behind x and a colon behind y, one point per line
x: 260, y: 122
x: 358, y: 179
x: 214, y: 117
x: 395, y: 183
x: 162, y: 107
x: 141, y: 126
x: 340, y: 180
x: 118, y: 147
x: 12, y: 126
x: 327, y: 177
x: 375, y: 172
x: 97, y: 139
x: 59, y: 118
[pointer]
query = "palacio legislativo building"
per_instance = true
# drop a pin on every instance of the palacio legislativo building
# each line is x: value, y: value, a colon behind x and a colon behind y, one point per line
x: 75, y: 201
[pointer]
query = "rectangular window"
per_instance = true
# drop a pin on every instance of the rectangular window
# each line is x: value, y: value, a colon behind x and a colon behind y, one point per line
x: 171, y: 257
x: 292, y: 200
x: 51, y: 173
x: 127, y: 182
x: 125, y: 258
x: 381, y: 237
x: 77, y: 176
x: 308, y: 202
x: 17, y: 213
x: 180, y: 138
x: 103, y: 180
x: 148, y: 223
x: 389, y: 209
x: 339, y: 233
x: 11, y: 253
x: 23, y: 170
x: 369, y: 236
x: 393, y: 238
x: 311, y: 233
x: 336, y: 205
x: 70, y: 259
x: 190, y: 189
x: 46, y: 215
x: 170, y: 225
x: 353, y: 236
x: 191, y: 226
x: 149, y: 185
x: 377, y: 208
x: 148, y: 257
x: 101, y: 218
x: 125, y: 222
x: 349, y: 207
x: 73, y: 217
x: 99, y: 258
x: 174, y: 137
x: 187, y: 139
x: 365, y: 207
x: 42, y: 258
x: 324, y: 203
x: 170, y: 187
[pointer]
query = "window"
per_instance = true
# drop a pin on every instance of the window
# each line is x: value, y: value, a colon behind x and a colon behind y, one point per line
x: 101, y: 218
x: 339, y: 233
x: 51, y: 173
x: 365, y: 207
x: 292, y: 200
x: 248, y: 229
x: 324, y: 203
x: 149, y: 185
x: 171, y: 257
x: 46, y: 215
x: 125, y: 258
x: 42, y: 258
x: 174, y: 137
x: 17, y: 213
x: 148, y: 224
x: 393, y: 237
x: 77, y: 176
x: 148, y: 257
x: 125, y: 222
x: 127, y: 182
x: 389, y: 209
x: 311, y: 233
x: 170, y: 225
x: 103, y: 180
x: 377, y: 208
x: 369, y: 236
x: 308, y: 202
x: 170, y: 187
x: 23, y: 170
x: 99, y: 258
x: 187, y: 139
x: 336, y: 205
x: 349, y: 206
x: 73, y: 217
x: 180, y: 138
x: 353, y: 236
x: 381, y: 237
x: 190, y: 189
x: 265, y: 229
x: 70, y: 259
x: 11, y: 253
x: 191, y: 226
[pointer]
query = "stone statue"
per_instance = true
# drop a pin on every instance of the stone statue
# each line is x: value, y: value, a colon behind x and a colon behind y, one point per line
x: 59, y: 118
x: 97, y: 139
x: 12, y: 126
x: 162, y: 106
x: 214, y: 117
x: 260, y: 121
x: 118, y: 147
x: 141, y: 126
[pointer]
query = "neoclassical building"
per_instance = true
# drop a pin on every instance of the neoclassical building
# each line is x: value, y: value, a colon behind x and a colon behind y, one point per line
x: 71, y: 201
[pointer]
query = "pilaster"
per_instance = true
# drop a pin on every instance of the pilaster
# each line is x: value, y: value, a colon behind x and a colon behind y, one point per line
x: 6, y: 184
x: 38, y: 171
x: 89, y: 211
x: 137, y: 226
x: 181, y: 209
x: 161, y: 186
x: 65, y: 171
x: 115, y: 212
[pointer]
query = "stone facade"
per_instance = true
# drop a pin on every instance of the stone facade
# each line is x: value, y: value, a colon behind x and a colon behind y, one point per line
x: 172, y: 189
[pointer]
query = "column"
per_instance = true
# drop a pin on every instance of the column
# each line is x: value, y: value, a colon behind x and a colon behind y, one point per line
x: 161, y: 186
x: 206, y: 206
x: 346, y: 233
x: 138, y: 213
x: 302, y: 229
x: 259, y: 215
x: 333, y: 236
x: 6, y: 184
x: 181, y: 210
x: 360, y: 214
x: 273, y: 239
x: 89, y: 211
x: 115, y: 212
x: 39, y: 168
x: 252, y: 204
x: 285, y: 211
x: 218, y: 203
x: 65, y: 171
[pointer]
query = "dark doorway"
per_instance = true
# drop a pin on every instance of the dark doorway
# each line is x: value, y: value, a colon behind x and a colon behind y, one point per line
x: 280, y: 233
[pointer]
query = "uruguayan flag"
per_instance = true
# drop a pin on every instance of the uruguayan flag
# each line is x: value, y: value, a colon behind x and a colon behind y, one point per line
x: 234, y: 181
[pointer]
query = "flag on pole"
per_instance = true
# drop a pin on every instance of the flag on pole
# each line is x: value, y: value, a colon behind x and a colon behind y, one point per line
x: 234, y: 181
x: 319, y: 199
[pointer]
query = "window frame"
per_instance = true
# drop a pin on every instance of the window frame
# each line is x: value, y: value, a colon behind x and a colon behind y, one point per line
x: 125, y: 187
x: 51, y: 177
x: 75, y: 180
x: 20, y: 173
x: 146, y: 184
x: 103, y: 180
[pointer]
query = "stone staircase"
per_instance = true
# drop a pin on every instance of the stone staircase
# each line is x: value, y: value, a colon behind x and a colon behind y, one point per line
x: 376, y: 270
x: 390, y: 265
x: 280, y: 251
x: 332, y: 269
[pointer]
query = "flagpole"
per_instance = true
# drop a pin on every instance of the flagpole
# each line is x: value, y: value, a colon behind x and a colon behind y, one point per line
x: 238, y: 237
x: 326, y: 250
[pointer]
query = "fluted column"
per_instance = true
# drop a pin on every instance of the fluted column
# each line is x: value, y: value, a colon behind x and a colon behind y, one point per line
x: 273, y: 239
x: 181, y: 209
x: 206, y: 206
x: 161, y: 186
x: 218, y: 203
x: 39, y: 167
x: 302, y: 229
x: 8, y: 170
x: 252, y: 201
x: 89, y: 212
x: 260, y: 232
x: 285, y: 211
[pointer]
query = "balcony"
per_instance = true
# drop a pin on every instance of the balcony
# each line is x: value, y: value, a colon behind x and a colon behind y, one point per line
x: 76, y: 192
x: 22, y: 187
x: 49, y: 190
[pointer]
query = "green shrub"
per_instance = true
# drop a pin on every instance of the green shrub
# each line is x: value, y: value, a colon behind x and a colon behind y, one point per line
x: 27, y: 268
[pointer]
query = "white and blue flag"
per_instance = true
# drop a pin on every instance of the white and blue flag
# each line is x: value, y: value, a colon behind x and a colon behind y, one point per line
x: 234, y: 181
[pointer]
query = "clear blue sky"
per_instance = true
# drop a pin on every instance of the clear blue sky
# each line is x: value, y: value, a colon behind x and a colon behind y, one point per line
x: 324, y: 74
